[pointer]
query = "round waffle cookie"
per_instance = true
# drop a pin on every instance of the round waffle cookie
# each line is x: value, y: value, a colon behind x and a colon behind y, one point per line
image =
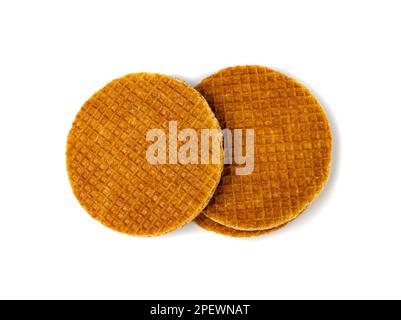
x: 208, y: 224
x: 107, y: 163
x: 292, y: 147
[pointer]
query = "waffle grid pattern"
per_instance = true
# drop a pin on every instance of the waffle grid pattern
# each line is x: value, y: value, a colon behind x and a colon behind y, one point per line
x: 106, y: 156
x: 292, y: 147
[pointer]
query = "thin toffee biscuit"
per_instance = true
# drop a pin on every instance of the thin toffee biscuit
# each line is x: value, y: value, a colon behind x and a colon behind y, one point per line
x: 106, y: 155
x: 292, y: 147
x: 210, y: 225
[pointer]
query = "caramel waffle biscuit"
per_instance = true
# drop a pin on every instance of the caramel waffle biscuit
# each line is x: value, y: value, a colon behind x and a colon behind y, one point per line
x: 210, y: 225
x: 292, y: 147
x: 106, y: 156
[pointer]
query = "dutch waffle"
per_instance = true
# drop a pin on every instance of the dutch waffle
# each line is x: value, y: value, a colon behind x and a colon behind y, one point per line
x: 208, y: 224
x: 292, y: 154
x: 106, y: 156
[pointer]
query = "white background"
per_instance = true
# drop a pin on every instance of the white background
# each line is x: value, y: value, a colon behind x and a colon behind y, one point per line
x: 54, y: 55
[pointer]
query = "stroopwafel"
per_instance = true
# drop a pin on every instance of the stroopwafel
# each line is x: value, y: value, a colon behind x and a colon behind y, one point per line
x: 106, y: 155
x: 292, y: 147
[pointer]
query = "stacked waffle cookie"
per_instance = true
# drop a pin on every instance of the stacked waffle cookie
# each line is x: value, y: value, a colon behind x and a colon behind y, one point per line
x: 146, y: 153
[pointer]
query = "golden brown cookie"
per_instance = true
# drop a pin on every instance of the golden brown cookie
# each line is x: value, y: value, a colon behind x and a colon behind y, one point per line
x: 210, y: 225
x: 106, y: 155
x: 292, y: 146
